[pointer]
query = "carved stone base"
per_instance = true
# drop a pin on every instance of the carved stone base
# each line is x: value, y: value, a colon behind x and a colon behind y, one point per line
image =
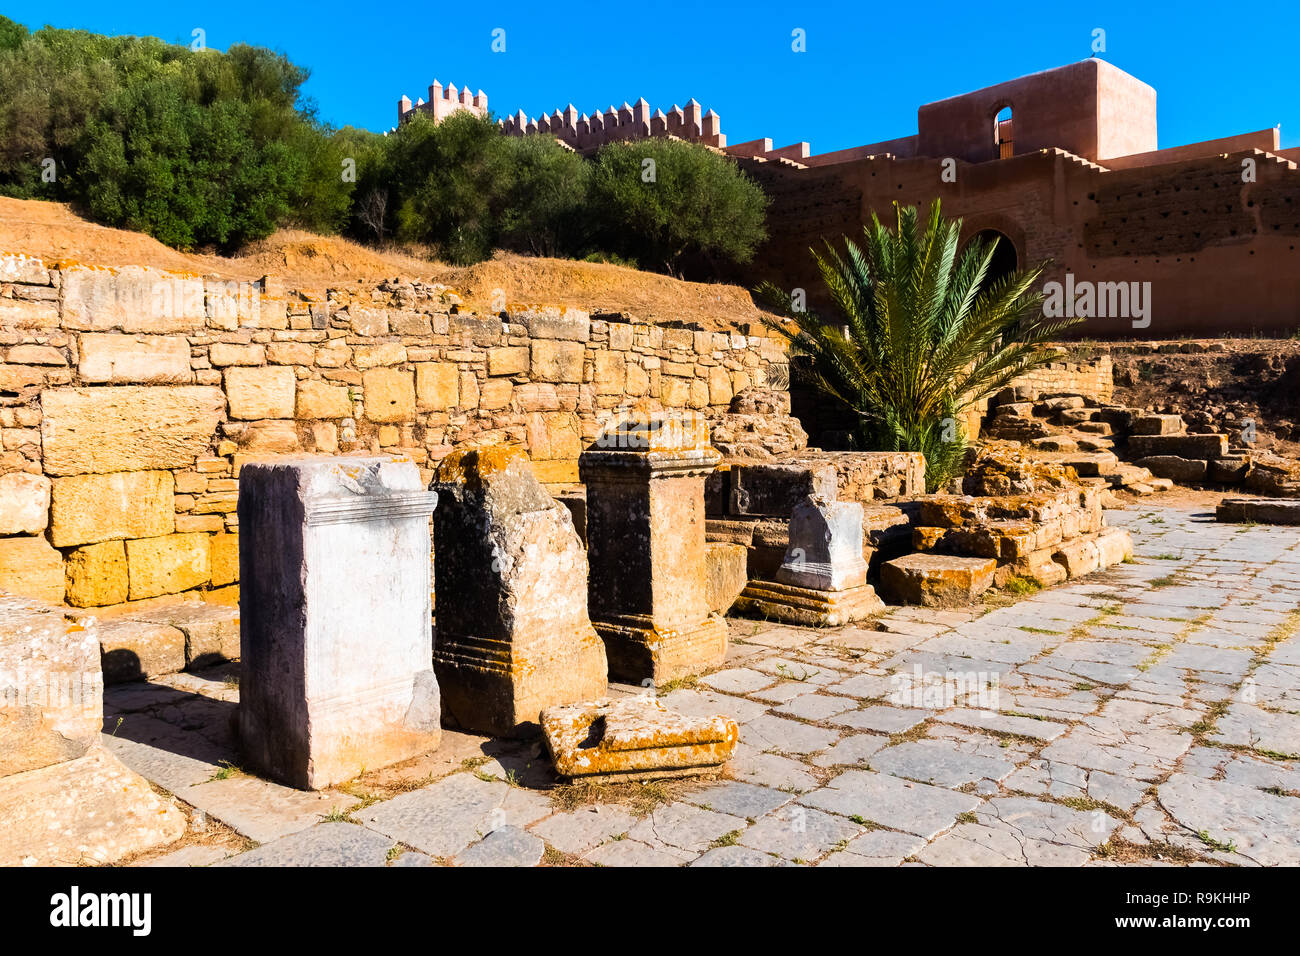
x: 494, y: 687
x: 639, y: 651
x: 795, y: 605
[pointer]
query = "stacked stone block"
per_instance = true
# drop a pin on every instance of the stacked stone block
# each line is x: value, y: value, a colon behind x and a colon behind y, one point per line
x: 131, y: 398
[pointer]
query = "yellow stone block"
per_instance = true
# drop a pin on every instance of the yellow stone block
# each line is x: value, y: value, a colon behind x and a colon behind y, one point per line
x: 129, y: 504
x: 437, y: 386
x: 389, y: 395
x: 96, y: 575
x: 30, y: 568
x: 167, y: 565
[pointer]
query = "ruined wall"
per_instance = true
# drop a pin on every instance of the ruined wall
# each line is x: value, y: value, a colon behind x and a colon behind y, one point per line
x: 130, y: 398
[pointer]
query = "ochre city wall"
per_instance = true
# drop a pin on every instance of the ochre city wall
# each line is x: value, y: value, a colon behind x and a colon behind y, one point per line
x: 130, y: 398
x: 1222, y: 254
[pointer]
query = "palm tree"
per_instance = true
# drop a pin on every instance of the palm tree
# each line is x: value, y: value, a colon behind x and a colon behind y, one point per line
x: 922, y: 334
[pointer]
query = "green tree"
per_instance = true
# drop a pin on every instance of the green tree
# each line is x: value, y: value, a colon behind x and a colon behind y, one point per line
x: 921, y: 334
x: 659, y: 201
x: 546, y: 197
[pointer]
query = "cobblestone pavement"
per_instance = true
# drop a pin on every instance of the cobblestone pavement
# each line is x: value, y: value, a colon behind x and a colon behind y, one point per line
x: 1147, y: 715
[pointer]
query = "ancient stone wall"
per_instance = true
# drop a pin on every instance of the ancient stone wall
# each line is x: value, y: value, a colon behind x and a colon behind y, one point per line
x: 130, y: 398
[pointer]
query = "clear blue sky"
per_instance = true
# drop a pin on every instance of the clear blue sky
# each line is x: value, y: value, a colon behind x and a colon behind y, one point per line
x: 1218, y: 69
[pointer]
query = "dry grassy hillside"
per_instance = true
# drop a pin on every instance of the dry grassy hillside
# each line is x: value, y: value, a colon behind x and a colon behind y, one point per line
x: 313, y: 263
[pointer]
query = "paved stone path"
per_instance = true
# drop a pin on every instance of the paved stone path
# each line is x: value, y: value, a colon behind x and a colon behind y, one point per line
x: 1147, y: 715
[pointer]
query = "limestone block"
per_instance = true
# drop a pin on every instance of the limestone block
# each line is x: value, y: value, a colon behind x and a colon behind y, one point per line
x: 809, y: 607
x: 1229, y: 470
x: 776, y: 489
x: 646, y: 535
x: 130, y: 504
x: 50, y: 686
x: 24, y: 503
x: 368, y: 321
x: 437, y: 386
x: 87, y: 811
x: 726, y: 574
x: 480, y: 331
x: 335, y: 613
x: 167, y: 565
x: 223, y: 552
x: 825, y: 552
x: 30, y: 568
x: 116, y: 359
x: 96, y: 575
x: 323, y: 400
x: 375, y: 356
x: 256, y: 393
x: 389, y: 395
x: 1182, y: 446
x: 1284, y: 511
x: 222, y: 354
x: 1174, y: 467
x: 610, y: 373
x: 635, y: 738
x: 555, y: 361
x: 131, y: 299
x: 495, y: 394
x: 936, y: 580
x: 1079, y: 556
x: 137, y: 650
x: 1144, y: 424
x: 552, y: 323
x: 513, y: 633
x: 1113, y: 546
x: 211, y: 631
x: 18, y: 267
x: 508, y: 361
x: 128, y: 428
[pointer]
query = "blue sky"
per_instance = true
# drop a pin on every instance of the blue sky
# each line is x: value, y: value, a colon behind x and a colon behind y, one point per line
x: 1218, y: 70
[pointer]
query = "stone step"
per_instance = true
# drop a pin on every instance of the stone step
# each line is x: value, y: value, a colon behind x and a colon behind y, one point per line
x: 1261, y: 510
x: 1181, y: 446
x: 1103, y: 429
x: 935, y: 580
x: 166, y: 639
x: 1183, y: 470
x: 1054, y: 443
x: 1149, y: 424
x: 1076, y: 416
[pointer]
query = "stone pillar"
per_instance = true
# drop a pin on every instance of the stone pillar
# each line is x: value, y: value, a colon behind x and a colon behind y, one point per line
x: 645, y: 539
x: 513, y: 633
x: 823, y: 579
x: 335, y: 617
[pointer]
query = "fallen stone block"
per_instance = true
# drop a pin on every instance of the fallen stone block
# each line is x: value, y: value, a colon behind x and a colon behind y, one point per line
x: 1181, y: 446
x: 808, y: 607
x: 51, y: 691
x: 726, y: 568
x: 635, y: 738
x: 1054, y: 443
x: 936, y: 580
x: 83, y: 812
x: 1262, y: 510
x: 1175, y: 468
x: 513, y: 635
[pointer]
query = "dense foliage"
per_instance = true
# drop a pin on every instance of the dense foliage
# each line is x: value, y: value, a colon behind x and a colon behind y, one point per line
x: 922, y: 333
x: 208, y: 148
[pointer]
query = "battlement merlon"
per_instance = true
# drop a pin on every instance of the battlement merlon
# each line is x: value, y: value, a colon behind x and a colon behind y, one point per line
x: 443, y: 102
x: 631, y: 121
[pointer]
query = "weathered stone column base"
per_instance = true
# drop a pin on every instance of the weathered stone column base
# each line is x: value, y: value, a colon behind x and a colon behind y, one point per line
x: 790, y: 604
x: 639, y: 651
x: 91, y: 810
x: 489, y: 690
